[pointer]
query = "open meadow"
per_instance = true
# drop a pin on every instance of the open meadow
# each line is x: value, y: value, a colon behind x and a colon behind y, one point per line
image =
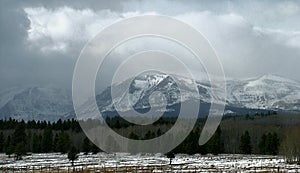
x: 122, y: 162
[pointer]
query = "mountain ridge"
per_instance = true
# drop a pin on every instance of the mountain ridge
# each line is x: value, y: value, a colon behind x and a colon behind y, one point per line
x: 268, y: 92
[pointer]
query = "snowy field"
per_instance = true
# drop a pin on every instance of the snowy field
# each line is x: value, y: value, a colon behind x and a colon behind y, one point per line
x: 120, y: 162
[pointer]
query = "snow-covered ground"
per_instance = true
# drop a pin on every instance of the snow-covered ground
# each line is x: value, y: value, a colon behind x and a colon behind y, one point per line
x: 155, y: 162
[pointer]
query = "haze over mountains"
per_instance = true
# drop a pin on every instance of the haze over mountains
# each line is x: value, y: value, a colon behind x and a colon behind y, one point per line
x: 40, y: 103
x: 269, y: 92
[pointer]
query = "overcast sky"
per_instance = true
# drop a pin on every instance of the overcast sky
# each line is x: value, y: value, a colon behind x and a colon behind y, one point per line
x: 41, y: 40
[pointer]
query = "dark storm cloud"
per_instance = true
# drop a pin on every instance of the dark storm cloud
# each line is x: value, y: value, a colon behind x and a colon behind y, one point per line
x: 13, y: 31
x: 20, y: 65
x: 251, y: 37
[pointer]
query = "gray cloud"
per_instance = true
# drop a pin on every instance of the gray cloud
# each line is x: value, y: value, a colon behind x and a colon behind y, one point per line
x: 251, y: 37
x: 18, y: 64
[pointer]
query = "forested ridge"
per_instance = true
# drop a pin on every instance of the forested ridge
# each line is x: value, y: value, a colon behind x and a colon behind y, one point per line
x: 256, y: 134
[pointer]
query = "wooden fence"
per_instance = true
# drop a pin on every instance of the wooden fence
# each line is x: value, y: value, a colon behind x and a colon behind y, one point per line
x: 141, y: 169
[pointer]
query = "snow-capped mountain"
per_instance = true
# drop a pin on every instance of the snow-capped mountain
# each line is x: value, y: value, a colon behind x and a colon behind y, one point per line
x: 141, y: 88
x: 40, y: 103
x: 261, y: 94
x: 267, y: 92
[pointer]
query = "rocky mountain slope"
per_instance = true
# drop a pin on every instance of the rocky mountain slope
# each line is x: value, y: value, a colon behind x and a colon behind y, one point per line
x: 269, y: 92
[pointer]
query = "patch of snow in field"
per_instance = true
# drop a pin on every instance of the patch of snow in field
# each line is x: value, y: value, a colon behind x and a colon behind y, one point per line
x: 247, y: 163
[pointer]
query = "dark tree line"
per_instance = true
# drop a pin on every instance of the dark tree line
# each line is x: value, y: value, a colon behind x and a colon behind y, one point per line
x: 16, y: 143
x: 269, y: 144
x: 45, y: 137
x: 245, y: 143
x: 40, y: 137
x: 89, y: 147
x: 62, y: 125
x: 1, y: 142
x: 191, y: 146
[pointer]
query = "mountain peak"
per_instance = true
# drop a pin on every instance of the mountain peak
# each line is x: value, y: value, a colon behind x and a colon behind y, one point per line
x: 277, y: 78
x: 268, y: 92
x: 33, y: 102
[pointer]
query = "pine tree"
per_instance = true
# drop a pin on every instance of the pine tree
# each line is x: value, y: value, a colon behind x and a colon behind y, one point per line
x: 47, y: 142
x: 20, y: 150
x: 19, y: 140
x: 171, y: 156
x: 118, y: 124
x: 275, y: 144
x: 158, y: 133
x: 73, y: 154
x: 29, y: 141
x: 63, y: 143
x: 245, y: 143
x: 272, y: 144
x: 9, y: 148
x: 55, y: 142
x: 191, y: 145
x: 215, y: 144
x: 95, y: 149
x: 269, y: 144
x: 262, y: 144
x: 1, y: 142
x: 19, y: 134
x: 86, y: 146
x: 133, y: 136
x: 36, y: 144
x: 149, y: 135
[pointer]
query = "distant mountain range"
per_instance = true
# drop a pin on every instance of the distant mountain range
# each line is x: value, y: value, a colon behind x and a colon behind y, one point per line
x: 39, y: 103
x: 269, y: 92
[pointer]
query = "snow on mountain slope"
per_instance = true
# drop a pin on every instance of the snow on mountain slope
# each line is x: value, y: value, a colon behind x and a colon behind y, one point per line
x: 42, y: 103
x: 142, y: 87
x: 266, y: 92
x: 8, y: 94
